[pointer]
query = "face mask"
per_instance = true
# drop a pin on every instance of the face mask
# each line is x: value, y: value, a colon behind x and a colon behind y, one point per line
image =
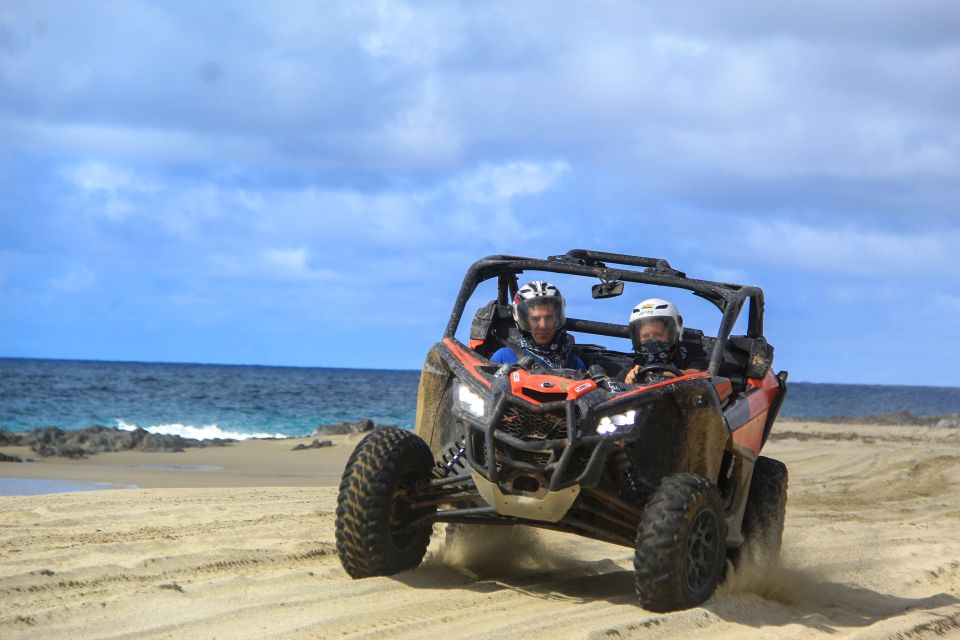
x: 656, y: 352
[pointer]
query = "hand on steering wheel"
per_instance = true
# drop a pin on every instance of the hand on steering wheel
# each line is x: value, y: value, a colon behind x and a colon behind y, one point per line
x: 639, y: 373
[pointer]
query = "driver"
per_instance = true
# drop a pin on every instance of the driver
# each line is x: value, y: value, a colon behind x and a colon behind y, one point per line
x: 656, y: 328
x: 539, y: 311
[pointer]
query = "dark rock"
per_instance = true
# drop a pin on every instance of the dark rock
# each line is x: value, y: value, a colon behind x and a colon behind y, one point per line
x: 72, y: 452
x: 53, y: 441
x: 9, y: 439
x: 162, y: 442
x: 5, y: 458
x: 345, y: 428
x: 333, y: 429
x: 44, y: 436
x: 316, y: 444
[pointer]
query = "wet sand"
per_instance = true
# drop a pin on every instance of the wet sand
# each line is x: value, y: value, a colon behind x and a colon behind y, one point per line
x: 248, y: 463
x: 239, y: 542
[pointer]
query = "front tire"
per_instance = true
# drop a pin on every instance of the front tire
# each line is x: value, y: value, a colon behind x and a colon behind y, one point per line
x: 681, y: 544
x: 373, y: 507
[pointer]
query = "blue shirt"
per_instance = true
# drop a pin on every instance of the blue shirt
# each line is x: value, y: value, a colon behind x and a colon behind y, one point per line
x: 506, y: 355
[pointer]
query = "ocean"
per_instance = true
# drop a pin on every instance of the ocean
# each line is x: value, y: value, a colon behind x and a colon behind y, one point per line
x: 243, y: 401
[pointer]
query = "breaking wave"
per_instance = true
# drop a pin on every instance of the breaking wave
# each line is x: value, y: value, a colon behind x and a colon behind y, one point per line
x: 205, y: 432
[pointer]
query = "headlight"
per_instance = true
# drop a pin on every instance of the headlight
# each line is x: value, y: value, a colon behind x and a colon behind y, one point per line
x: 470, y: 401
x: 609, y: 424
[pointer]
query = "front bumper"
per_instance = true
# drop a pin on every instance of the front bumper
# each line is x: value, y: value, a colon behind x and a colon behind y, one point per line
x: 552, y: 507
x: 544, y: 442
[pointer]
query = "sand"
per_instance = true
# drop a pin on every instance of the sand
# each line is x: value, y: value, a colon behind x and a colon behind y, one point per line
x: 871, y: 550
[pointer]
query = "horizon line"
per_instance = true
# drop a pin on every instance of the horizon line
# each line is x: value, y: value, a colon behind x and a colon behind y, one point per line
x: 347, y: 368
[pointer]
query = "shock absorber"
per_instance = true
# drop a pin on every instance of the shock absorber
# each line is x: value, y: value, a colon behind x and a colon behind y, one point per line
x: 630, y: 484
x: 451, y: 461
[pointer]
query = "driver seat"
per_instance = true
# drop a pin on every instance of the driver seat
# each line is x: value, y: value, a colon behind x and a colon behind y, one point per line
x: 493, y: 327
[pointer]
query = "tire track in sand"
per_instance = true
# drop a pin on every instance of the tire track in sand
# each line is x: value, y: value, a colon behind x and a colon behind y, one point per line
x: 870, y: 552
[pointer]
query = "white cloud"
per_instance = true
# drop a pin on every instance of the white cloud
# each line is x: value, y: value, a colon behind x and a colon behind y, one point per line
x: 97, y: 176
x: 121, y: 142
x: 409, y: 35
x: 298, y: 142
x: 294, y: 264
x: 850, y: 250
x: 501, y: 183
x: 423, y: 131
x: 476, y: 205
x: 108, y: 186
x: 230, y: 229
x: 103, y: 190
x: 666, y: 94
x: 673, y: 46
x: 288, y: 260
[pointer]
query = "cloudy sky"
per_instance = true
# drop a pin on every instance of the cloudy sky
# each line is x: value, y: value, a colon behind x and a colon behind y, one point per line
x: 304, y: 183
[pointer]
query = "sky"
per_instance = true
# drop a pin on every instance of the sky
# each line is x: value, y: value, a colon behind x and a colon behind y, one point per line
x: 305, y: 183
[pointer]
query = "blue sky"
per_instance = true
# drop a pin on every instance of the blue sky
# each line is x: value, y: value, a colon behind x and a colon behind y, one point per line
x: 304, y: 183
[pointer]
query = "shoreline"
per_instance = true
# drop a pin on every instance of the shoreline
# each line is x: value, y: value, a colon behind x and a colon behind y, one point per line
x: 245, y: 463
x: 274, y: 462
x: 903, y: 417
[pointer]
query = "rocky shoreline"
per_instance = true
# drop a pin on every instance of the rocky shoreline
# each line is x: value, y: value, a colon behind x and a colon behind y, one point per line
x: 347, y: 428
x: 56, y: 442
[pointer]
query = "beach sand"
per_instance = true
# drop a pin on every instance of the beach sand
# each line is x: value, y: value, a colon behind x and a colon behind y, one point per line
x: 238, y: 542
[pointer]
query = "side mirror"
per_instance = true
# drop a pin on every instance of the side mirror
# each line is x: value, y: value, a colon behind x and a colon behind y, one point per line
x: 610, y: 289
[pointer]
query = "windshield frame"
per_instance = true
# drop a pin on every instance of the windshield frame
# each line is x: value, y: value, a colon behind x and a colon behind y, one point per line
x: 729, y: 298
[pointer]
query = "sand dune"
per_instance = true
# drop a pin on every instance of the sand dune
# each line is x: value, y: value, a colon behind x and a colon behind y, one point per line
x: 871, y: 550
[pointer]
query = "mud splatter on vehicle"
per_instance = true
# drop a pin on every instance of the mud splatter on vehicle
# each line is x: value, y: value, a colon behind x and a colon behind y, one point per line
x: 669, y: 466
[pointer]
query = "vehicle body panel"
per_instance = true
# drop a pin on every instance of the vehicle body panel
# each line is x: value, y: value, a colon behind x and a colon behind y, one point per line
x: 541, y: 447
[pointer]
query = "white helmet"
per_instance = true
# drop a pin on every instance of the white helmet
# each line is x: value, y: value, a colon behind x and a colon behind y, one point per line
x: 534, y: 294
x: 660, y: 311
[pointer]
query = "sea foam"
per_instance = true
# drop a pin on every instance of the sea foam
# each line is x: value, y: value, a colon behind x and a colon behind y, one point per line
x: 206, y: 432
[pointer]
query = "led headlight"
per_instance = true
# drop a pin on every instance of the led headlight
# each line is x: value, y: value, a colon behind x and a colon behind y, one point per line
x: 609, y: 424
x: 469, y: 401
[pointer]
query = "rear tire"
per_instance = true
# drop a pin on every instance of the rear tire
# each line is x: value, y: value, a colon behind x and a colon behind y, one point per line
x: 372, y: 506
x: 681, y: 543
x: 765, y: 513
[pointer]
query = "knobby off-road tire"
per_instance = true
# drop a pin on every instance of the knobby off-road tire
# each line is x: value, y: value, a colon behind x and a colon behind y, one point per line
x: 681, y: 544
x: 764, y: 514
x: 372, y: 506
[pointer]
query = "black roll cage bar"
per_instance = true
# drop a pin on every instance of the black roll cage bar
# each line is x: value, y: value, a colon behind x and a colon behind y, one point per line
x: 729, y: 298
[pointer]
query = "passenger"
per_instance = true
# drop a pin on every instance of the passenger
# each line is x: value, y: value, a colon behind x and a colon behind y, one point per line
x: 540, y: 312
x: 656, y: 329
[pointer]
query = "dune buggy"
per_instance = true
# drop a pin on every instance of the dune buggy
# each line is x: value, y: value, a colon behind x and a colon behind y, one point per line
x: 669, y: 466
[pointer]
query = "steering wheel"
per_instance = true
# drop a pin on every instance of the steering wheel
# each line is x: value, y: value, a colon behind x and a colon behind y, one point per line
x: 596, y: 373
x: 527, y: 363
x: 660, y: 367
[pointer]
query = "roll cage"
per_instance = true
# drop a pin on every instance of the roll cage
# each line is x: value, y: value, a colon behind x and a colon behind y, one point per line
x: 728, y: 298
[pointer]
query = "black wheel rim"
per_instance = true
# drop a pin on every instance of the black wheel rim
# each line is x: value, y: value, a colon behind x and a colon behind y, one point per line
x: 401, y: 513
x: 703, y: 549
